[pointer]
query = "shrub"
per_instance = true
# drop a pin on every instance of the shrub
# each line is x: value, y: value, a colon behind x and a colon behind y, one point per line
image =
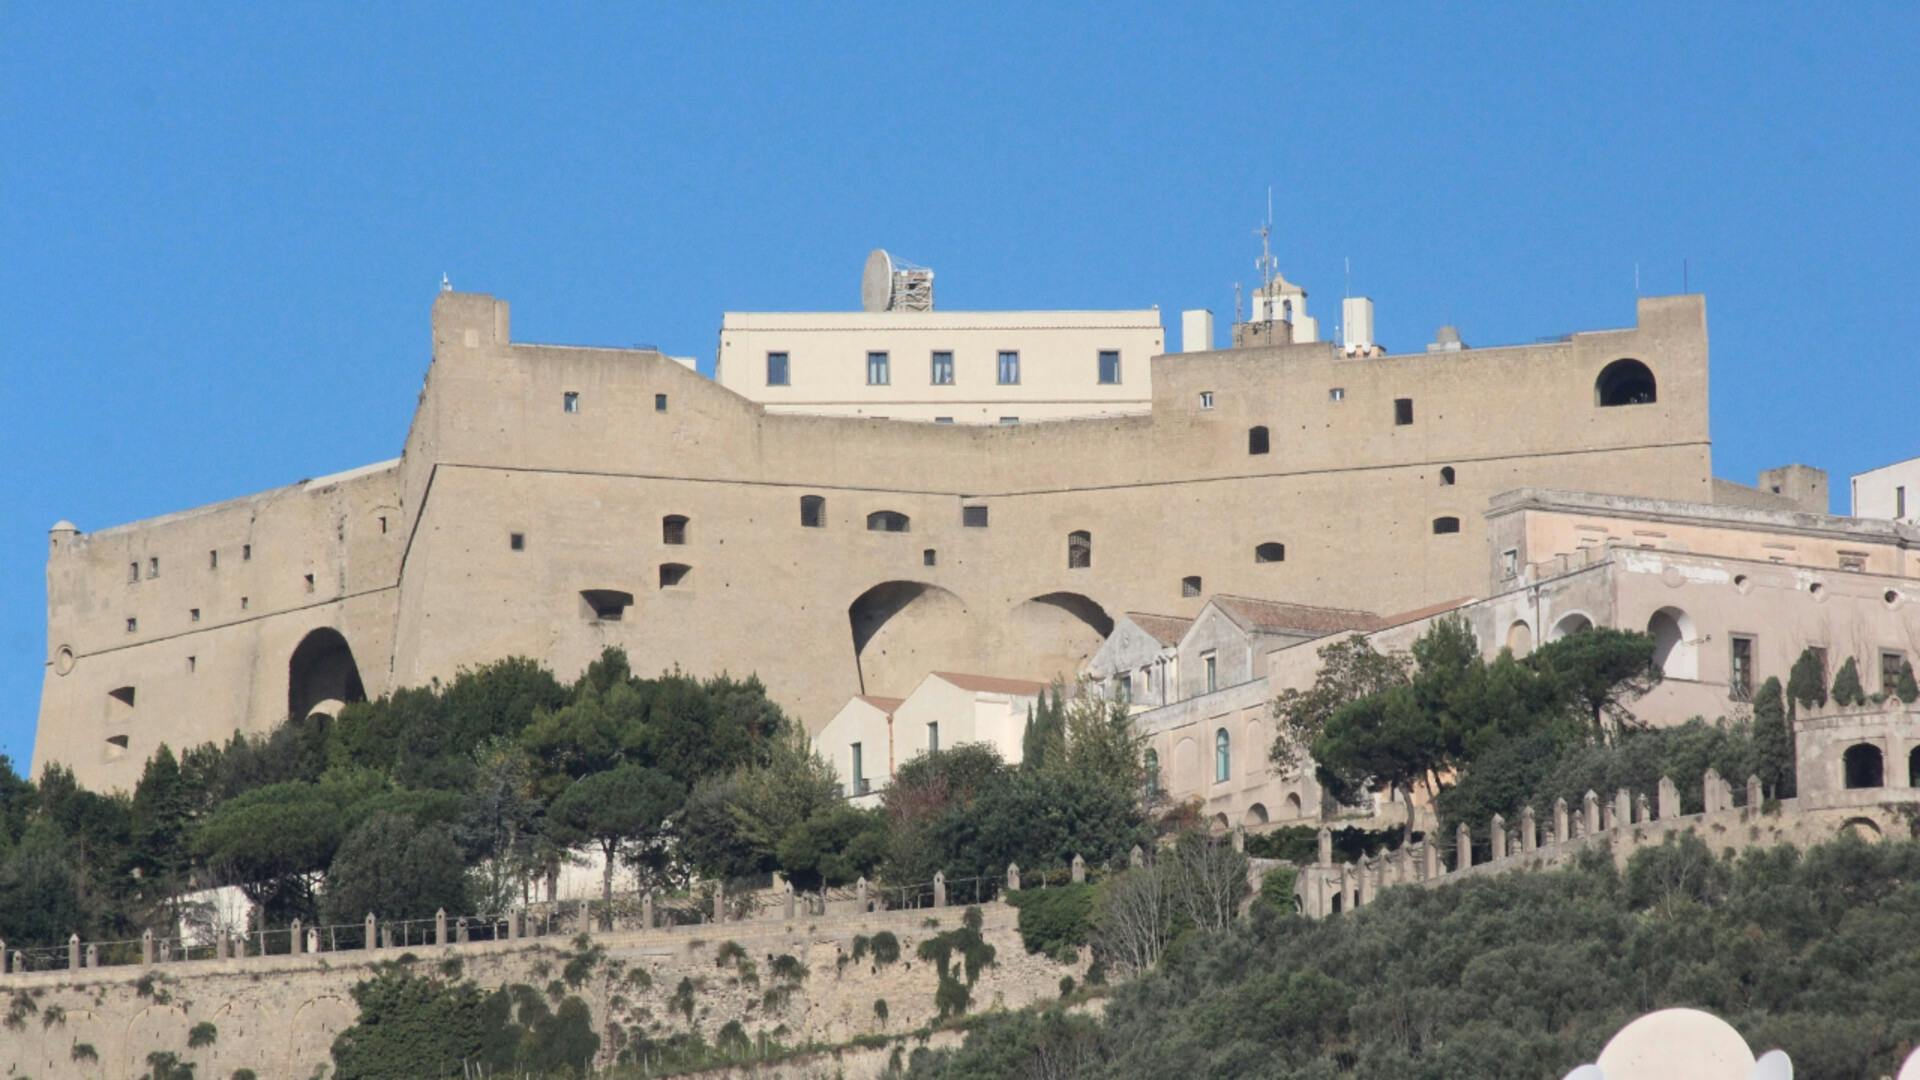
x: 1055, y: 921
x: 886, y: 948
x: 1066, y: 986
x: 202, y: 1034
x: 1806, y: 683
x: 1906, y: 689
x: 729, y: 952
x: 786, y: 967
x: 245, y: 1074
x: 84, y: 1052
x: 732, y: 1039
x: 1846, y: 685
x: 682, y: 999
x: 880, y: 1009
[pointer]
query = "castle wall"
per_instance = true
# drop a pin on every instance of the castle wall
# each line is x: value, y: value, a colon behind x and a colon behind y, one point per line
x: 493, y: 451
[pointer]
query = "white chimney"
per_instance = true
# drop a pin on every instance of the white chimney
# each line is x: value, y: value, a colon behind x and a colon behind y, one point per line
x: 1196, y: 330
x: 1356, y: 324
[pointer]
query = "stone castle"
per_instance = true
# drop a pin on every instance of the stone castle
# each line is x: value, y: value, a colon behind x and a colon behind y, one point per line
x: 550, y: 501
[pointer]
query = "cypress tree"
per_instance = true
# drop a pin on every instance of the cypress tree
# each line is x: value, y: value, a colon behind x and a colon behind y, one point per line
x: 1773, y: 740
x: 1806, y: 683
x: 1846, y: 685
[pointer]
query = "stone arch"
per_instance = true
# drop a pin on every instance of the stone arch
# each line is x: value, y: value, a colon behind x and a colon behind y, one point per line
x: 1186, y: 765
x: 904, y: 629
x: 1255, y: 815
x: 1625, y: 382
x: 1219, y: 825
x: 1571, y: 623
x: 1520, y: 639
x: 1675, y: 648
x: 1863, y: 766
x: 888, y: 521
x: 321, y: 669
x: 1056, y: 633
x: 1295, y: 808
x: 1864, y: 828
x: 1339, y: 896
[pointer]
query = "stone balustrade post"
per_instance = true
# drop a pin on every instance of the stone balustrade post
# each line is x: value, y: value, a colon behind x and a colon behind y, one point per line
x: 719, y: 902
x: 939, y: 888
x: 1590, y: 811
x: 1606, y: 817
x: 1079, y: 870
x: 1013, y: 877
x: 220, y: 946
x: 1239, y: 838
x: 1325, y: 848
x: 73, y: 951
x: 440, y: 927
x: 1622, y: 808
x: 1364, y: 887
x: 386, y: 936
x: 1529, y: 831
x: 860, y: 891
x: 1136, y: 858
x: 1710, y: 791
x: 1560, y: 833
x: 460, y: 931
x: 1755, y: 794
x: 296, y: 941
x: 313, y: 942
x: 1499, y: 831
x: 787, y: 905
x: 1349, y: 891
x: 373, y: 933
x: 1462, y: 848
x: 93, y: 955
x: 146, y: 948
x: 1431, y: 853
x: 6, y: 958
x: 1642, y: 810
x: 517, y: 919
x: 1668, y: 797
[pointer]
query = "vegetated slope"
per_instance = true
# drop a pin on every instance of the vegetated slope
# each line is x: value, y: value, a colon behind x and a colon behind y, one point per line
x: 1521, y: 976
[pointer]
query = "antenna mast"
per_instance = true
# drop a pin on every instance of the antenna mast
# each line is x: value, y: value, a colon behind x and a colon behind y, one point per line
x: 1266, y: 263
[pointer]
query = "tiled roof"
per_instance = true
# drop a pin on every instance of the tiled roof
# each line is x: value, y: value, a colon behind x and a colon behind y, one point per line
x: 1278, y: 617
x: 1427, y: 612
x: 884, y: 704
x: 991, y: 684
x: 1165, y: 629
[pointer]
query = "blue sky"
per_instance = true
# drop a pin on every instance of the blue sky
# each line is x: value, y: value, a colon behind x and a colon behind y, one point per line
x: 221, y: 226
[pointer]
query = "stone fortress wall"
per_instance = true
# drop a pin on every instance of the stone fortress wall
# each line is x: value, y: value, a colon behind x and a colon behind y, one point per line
x: 401, y: 573
x: 278, y: 1015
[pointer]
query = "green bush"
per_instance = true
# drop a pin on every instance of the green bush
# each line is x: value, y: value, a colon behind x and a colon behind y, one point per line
x: 886, y: 948
x: 1806, y: 682
x: 1055, y: 921
x: 202, y: 1034
x: 1846, y: 685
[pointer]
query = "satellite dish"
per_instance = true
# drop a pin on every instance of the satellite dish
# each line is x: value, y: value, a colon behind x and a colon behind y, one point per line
x: 1773, y: 1065
x: 876, y: 282
x: 1677, y: 1042
x: 1586, y: 1072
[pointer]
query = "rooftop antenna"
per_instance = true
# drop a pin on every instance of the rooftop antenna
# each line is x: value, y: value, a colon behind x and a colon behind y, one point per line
x: 1348, y: 294
x: 1636, y: 279
x: 1236, y: 301
x: 1266, y: 262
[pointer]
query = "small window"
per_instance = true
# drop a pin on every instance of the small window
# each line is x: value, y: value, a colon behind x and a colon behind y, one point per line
x: 133, y: 624
x: 1854, y: 563
x: 1079, y: 550
x: 1444, y: 525
x: 243, y: 603
x: 193, y: 662
x: 153, y: 567
x: 813, y: 512
x: 606, y: 605
x: 570, y: 402
x: 246, y: 552
x: 1740, y: 668
x: 943, y: 419
x: 1510, y: 562
x: 1900, y: 502
x: 383, y: 524
x: 673, y: 574
x: 942, y: 374
x: 659, y: 403
x: 777, y: 369
x: 1892, y: 665
x: 929, y: 557
x: 1109, y: 367
x: 1009, y: 368
x: 517, y: 541
x: 1210, y: 665
x: 1257, y: 440
x: 1151, y: 759
x: 1206, y: 399
x: 973, y: 517
x: 309, y: 582
x: 1271, y: 551
x: 1403, y: 411
x: 878, y: 373
x: 213, y: 557
x: 1222, y: 756
x: 859, y: 781
x: 673, y: 529
x: 933, y: 737
x: 1446, y: 476
x: 1190, y: 586
x: 1009, y: 421
x: 133, y: 572
x: 1337, y: 393
x: 193, y: 614
x: 888, y: 521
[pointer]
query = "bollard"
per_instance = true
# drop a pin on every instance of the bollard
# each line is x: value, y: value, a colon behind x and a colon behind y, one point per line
x: 295, y: 939
x: 460, y: 931
x: 1668, y: 805
x: 373, y: 936
x: 939, y: 889
x: 1622, y: 808
x: 1079, y: 870
x: 146, y: 948
x: 73, y: 951
x: 1529, y: 830
x: 440, y: 927
x: 646, y: 911
x: 1499, y: 838
x: 386, y: 936
x: 789, y: 901
x: 1560, y: 833
x: 313, y: 940
x: 1138, y: 858
x: 1462, y: 848
x: 93, y: 956
x: 860, y: 891
x: 1013, y: 877
x: 719, y: 902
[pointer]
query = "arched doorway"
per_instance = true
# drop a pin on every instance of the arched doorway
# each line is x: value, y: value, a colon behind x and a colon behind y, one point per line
x: 1520, y: 639
x: 1862, y: 766
x: 1054, y: 634
x: 1624, y: 382
x: 904, y: 629
x: 321, y: 670
x: 1674, y: 648
x: 1570, y: 624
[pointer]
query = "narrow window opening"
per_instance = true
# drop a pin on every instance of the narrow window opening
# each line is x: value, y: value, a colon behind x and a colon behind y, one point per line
x: 153, y: 567
x: 777, y: 369
x: 1206, y: 399
x: 942, y: 374
x: 243, y: 603
x: 859, y: 781
x: 943, y: 419
x: 1109, y: 367
x: 570, y: 402
x: 659, y: 403
x: 1337, y: 393
x: 1444, y: 525
x: 879, y: 369
x: 1222, y: 756
x: 133, y: 624
x: 606, y: 605
x: 1009, y: 368
x: 933, y: 737
x: 383, y: 524
x: 673, y: 575
x: 673, y: 529
x: 133, y: 572
x: 119, y: 744
x: 193, y: 614
x: 1740, y: 668
x: 888, y: 521
x: 1210, y: 665
x: 124, y: 695
x: 1271, y: 551
x: 192, y: 663
x: 973, y: 517
x: 1190, y: 586
x: 1257, y: 440
x: 246, y: 552
x: 1510, y: 562
x: 213, y: 557
x: 1079, y: 550
x: 1893, y: 664
x: 1009, y: 421
x: 1403, y: 411
x: 309, y: 582
x: 813, y: 512
x: 517, y: 541
x: 1625, y: 382
x: 928, y: 557
x: 1446, y: 476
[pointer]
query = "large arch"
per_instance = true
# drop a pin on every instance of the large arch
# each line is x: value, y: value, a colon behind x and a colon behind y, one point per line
x: 1625, y: 382
x: 321, y: 669
x: 1571, y: 624
x: 1055, y: 634
x: 904, y: 629
x: 1863, y: 766
x: 1675, y: 646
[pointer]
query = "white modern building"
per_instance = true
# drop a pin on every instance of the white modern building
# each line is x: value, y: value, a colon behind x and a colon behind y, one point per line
x: 1890, y: 492
x: 871, y: 737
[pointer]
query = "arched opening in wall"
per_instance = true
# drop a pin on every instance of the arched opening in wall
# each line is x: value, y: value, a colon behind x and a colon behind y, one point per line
x: 1055, y: 634
x: 1913, y: 767
x: 322, y: 668
x: 1570, y: 624
x: 1338, y: 897
x: 1257, y: 440
x: 605, y: 605
x: 1079, y: 549
x: 1624, y: 382
x: 1271, y: 551
x: 1219, y: 826
x: 1294, y: 806
x: 673, y: 529
x: 1222, y: 756
x: 813, y: 512
x: 904, y: 629
x: 1443, y: 526
x: 1255, y: 815
x: 120, y: 705
x: 1863, y: 767
x: 1520, y: 639
x: 1674, y: 648
x: 887, y: 521
x: 675, y: 575
x: 1864, y: 828
x: 1446, y: 476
